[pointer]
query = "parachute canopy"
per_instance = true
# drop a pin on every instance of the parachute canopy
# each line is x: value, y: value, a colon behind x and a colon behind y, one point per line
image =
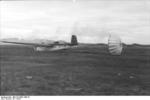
x: 114, y: 45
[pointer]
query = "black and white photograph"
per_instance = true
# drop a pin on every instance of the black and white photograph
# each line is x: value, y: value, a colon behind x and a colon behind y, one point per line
x: 75, y: 47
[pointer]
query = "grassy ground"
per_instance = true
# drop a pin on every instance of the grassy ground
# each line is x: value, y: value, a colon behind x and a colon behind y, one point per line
x: 89, y: 70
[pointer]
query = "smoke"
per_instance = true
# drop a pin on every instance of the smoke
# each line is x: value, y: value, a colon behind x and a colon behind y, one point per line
x: 88, y: 33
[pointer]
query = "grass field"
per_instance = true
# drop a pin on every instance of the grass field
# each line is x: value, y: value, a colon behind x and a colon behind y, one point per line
x: 88, y: 70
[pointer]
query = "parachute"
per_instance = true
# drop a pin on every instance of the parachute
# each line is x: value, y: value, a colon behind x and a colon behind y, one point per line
x: 114, y: 45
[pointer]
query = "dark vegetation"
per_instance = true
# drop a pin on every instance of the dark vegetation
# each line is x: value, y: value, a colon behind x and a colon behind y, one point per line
x: 88, y: 70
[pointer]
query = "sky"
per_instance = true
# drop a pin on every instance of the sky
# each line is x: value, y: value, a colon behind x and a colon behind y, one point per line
x: 91, y: 20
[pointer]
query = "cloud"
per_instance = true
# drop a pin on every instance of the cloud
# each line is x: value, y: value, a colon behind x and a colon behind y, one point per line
x: 92, y: 21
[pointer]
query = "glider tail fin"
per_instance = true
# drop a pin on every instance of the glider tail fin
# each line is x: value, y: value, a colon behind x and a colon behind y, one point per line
x: 74, y: 40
